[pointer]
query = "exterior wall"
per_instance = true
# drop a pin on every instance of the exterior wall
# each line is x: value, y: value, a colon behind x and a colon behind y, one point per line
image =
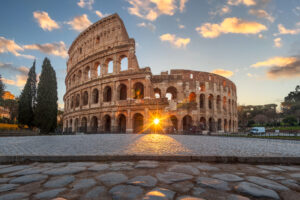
x: 107, y: 41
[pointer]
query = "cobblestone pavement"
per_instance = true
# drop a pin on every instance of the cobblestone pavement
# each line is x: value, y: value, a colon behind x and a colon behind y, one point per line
x: 147, y: 144
x: 149, y: 180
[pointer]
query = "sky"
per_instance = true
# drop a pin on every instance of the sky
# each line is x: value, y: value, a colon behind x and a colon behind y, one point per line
x: 254, y: 43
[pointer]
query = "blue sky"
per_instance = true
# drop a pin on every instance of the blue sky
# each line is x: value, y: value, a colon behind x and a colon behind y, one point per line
x: 255, y: 43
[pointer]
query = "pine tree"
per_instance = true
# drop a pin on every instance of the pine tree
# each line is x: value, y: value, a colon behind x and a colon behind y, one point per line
x: 27, y: 99
x: 46, y: 107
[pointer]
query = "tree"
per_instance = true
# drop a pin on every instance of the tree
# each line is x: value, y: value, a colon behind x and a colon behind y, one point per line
x: 290, y: 120
x: 27, y: 99
x: 2, y: 87
x: 46, y: 107
x: 291, y: 104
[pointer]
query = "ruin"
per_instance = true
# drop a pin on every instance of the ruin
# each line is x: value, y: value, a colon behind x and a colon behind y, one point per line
x: 107, y: 91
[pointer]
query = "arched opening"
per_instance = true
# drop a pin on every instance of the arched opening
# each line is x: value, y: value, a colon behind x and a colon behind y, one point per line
x: 202, y: 87
x: 107, y: 94
x: 210, y: 101
x: 79, y: 76
x: 171, y: 93
x: 98, y: 68
x: 229, y: 125
x: 219, y: 124
x: 138, y: 90
x: 110, y: 66
x: 94, y: 124
x: 229, y: 105
x: 72, y: 102
x: 84, y: 125
x: 122, y: 90
x: 107, y: 123
x: 77, y: 102
x: 192, y: 97
x: 138, y: 123
x: 95, y: 95
x: 224, y: 104
x: 85, y: 98
x: 174, y: 121
x: 202, y: 123
x: 218, y: 102
x: 122, y: 123
x: 73, y: 79
x: 76, y: 125
x: 202, y: 101
x: 225, y: 125
x: 187, y: 123
x: 124, y: 64
x: 70, y: 126
x: 211, y: 122
x: 87, y: 73
x: 157, y: 93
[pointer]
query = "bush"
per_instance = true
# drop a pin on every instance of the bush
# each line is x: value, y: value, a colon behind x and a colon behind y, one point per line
x: 290, y: 120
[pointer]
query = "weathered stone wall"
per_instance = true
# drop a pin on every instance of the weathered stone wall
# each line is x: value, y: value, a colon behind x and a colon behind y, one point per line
x: 104, y: 96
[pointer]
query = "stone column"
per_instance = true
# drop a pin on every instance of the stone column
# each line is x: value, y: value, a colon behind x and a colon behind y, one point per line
x: 129, y: 92
x: 129, y: 122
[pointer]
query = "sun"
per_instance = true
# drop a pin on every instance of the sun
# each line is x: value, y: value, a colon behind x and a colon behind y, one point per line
x: 156, y: 121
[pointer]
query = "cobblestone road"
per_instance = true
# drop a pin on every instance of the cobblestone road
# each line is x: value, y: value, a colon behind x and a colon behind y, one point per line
x: 149, y: 180
x: 151, y: 144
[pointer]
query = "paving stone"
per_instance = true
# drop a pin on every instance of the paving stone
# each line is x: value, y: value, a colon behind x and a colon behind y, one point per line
x: 237, y: 197
x: 124, y: 192
x: 228, y: 177
x: 295, y: 175
x: 4, y: 180
x: 290, y: 195
x: 147, y: 164
x: 145, y: 181
x: 275, y: 177
x: 28, y: 178
x: 28, y: 171
x: 59, y: 182
x: 81, y: 164
x: 213, y: 183
x: 49, y: 194
x: 84, y: 183
x: 171, y: 177
x: 266, y: 182
x: 159, y: 194
x: 290, y: 168
x: 189, y: 198
x: 121, y: 166
x: 4, y: 166
x: 291, y: 183
x: 183, y: 186
x: 112, y: 178
x: 8, y: 187
x: 13, y: 168
x: 197, y: 191
x: 99, y: 167
x: 186, y: 169
x: 15, y: 195
x: 64, y: 171
x: 95, y: 193
x: 206, y: 167
x: 270, y: 167
x: 255, y: 190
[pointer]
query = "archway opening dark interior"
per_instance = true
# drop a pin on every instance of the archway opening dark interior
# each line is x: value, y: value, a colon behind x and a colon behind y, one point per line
x: 138, y: 123
x: 187, y: 123
x: 107, y: 123
x: 122, y: 124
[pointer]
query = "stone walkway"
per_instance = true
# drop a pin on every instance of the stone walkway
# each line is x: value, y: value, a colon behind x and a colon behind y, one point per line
x: 149, y: 144
x: 149, y: 180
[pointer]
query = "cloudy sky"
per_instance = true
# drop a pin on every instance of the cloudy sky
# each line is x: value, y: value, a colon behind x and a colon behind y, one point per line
x: 255, y: 43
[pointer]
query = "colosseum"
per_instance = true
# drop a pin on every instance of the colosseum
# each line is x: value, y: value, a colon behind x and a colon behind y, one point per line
x: 107, y: 91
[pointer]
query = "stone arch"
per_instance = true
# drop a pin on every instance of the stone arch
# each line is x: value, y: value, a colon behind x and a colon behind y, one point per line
x: 138, y: 123
x: 87, y: 73
x: 79, y: 76
x: 138, y: 90
x: 174, y: 121
x: 94, y: 124
x: 109, y: 65
x: 77, y: 104
x: 211, y: 123
x: 192, y: 97
x: 203, y: 123
x: 70, y: 125
x: 218, y: 102
x: 187, y: 123
x: 74, y: 79
x: 122, y: 92
x: 72, y: 102
x: 157, y: 93
x: 173, y: 91
x: 202, y: 87
x: 122, y: 123
x: 211, y: 101
x: 95, y: 96
x: 219, y: 124
x: 107, y: 94
x: 123, y: 63
x: 84, y: 125
x: 85, y: 98
x: 229, y: 126
x: 225, y: 125
x: 97, y: 69
x: 107, y: 123
x: 224, y: 103
x: 202, y: 101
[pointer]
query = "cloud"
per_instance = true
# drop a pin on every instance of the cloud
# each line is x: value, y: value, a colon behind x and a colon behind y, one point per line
x: 238, y: 2
x: 151, y: 9
x: 149, y: 26
x: 19, y: 82
x: 289, y: 70
x: 181, y: 26
x: 57, y: 49
x: 275, y: 61
x: 178, y: 42
x: 11, y: 68
x: 182, y: 5
x: 100, y: 14
x: 230, y: 25
x: 86, y: 3
x: 80, y: 23
x: 223, y: 72
x: 250, y: 75
x: 45, y: 22
x: 10, y: 46
x: 221, y: 11
x: 283, y: 31
x: 260, y: 36
x: 277, y: 42
x: 260, y: 13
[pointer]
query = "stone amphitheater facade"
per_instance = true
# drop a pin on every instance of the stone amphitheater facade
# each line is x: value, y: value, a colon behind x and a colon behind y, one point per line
x: 107, y: 91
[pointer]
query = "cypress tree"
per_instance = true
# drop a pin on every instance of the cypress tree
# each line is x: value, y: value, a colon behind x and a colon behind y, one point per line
x: 27, y: 99
x: 46, y: 107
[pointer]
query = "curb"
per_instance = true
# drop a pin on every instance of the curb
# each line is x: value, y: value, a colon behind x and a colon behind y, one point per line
x: 178, y: 158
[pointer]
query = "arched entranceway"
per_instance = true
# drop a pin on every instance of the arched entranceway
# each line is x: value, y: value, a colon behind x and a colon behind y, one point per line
x: 174, y: 121
x: 138, y: 123
x: 202, y: 123
x: 122, y: 91
x: 187, y: 123
x: 171, y: 93
x: 94, y: 124
x: 225, y: 125
x: 219, y: 124
x: 211, y: 125
x: 84, y: 125
x: 122, y: 123
x: 107, y: 94
x: 138, y: 91
x: 107, y: 123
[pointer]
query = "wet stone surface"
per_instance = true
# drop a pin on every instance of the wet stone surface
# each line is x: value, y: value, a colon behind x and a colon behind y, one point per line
x: 149, y: 180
